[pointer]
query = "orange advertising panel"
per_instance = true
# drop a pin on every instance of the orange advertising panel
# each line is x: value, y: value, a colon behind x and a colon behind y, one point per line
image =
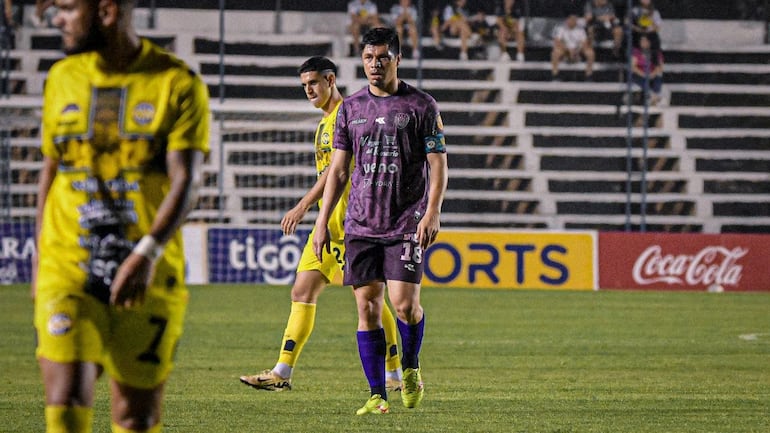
x: 512, y: 260
x: 670, y: 261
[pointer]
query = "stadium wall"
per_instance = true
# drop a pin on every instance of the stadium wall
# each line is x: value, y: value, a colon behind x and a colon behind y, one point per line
x: 505, y: 260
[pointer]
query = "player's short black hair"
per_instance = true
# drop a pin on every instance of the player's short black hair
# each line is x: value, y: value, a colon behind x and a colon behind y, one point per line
x: 319, y: 64
x: 382, y: 36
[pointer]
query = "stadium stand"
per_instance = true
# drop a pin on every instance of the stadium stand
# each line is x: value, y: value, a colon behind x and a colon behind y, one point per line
x: 525, y: 152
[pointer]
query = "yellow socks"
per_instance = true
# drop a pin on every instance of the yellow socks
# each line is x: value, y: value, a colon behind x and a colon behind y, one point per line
x: 68, y: 419
x: 298, y: 330
x: 392, y: 360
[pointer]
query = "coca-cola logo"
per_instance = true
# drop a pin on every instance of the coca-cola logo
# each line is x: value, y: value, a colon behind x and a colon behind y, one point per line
x: 711, y: 265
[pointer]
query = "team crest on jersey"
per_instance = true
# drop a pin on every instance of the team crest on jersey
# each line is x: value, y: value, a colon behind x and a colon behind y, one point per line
x: 402, y: 120
x: 59, y: 324
x: 325, y: 139
x: 144, y: 112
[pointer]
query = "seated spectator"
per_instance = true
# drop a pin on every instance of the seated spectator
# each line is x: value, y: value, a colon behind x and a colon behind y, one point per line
x: 404, y: 16
x: 7, y: 27
x: 569, y: 43
x: 603, y: 24
x: 362, y: 15
x: 456, y: 21
x: 647, y: 67
x: 645, y: 18
x: 44, y: 11
x: 510, y: 26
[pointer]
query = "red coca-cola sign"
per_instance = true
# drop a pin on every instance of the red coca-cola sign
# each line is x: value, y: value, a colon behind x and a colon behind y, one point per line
x: 670, y: 261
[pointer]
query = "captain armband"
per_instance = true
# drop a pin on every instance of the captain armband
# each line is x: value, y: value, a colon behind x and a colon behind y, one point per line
x: 435, y: 144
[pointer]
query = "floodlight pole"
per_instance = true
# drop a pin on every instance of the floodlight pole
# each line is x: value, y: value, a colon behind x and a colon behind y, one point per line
x: 420, y: 19
x: 220, y: 180
x: 629, y: 116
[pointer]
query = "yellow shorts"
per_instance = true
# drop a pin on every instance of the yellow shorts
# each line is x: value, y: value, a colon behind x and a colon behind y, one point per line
x: 136, y: 346
x: 331, y: 262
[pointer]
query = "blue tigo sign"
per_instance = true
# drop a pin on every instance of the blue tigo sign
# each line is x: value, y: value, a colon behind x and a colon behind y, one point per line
x: 254, y: 255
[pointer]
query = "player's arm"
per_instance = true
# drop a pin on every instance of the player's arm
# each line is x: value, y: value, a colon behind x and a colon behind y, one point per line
x: 293, y: 217
x: 430, y: 223
x: 134, y: 274
x: 337, y: 178
x: 47, y: 174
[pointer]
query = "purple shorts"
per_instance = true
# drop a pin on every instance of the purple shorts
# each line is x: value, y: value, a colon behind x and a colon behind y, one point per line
x: 370, y: 259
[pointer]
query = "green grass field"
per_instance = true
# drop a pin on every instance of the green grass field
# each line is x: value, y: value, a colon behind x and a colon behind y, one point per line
x: 494, y: 361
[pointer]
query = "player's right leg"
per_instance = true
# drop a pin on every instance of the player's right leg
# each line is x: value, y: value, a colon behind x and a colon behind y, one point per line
x: 69, y: 350
x: 312, y: 277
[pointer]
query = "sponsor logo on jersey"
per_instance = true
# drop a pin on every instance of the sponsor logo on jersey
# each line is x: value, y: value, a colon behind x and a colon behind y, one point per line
x: 379, y: 120
x: 144, y: 112
x: 59, y: 324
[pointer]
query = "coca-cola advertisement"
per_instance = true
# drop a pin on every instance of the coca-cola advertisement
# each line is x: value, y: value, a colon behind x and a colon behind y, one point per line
x: 685, y: 261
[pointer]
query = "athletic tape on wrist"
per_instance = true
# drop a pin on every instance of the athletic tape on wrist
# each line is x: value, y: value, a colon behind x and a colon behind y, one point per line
x: 148, y: 247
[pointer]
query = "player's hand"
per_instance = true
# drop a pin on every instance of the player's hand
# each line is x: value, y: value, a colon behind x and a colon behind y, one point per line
x: 427, y: 229
x: 131, y: 281
x: 321, y: 242
x: 292, y: 219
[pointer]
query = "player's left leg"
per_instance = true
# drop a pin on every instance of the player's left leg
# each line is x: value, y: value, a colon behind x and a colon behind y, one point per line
x: 404, y: 272
x: 140, y: 358
x: 135, y: 410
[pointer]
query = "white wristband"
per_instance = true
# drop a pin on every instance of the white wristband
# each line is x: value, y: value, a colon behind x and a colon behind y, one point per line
x: 148, y: 247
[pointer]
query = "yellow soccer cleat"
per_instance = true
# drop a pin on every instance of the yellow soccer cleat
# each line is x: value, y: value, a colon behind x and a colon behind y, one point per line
x: 375, y: 405
x: 268, y: 381
x: 413, y: 389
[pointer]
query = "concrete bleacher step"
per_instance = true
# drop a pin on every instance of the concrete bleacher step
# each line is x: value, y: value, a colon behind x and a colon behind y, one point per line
x: 569, y: 97
x: 586, y: 120
x: 721, y: 99
x: 593, y: 142
x: 599, y: 164
x: 732, y: 186
x: 724, y: 121
x: 732, y: 143
x: 251, y: 48
x: 741, y: 165
x: 583, y: 186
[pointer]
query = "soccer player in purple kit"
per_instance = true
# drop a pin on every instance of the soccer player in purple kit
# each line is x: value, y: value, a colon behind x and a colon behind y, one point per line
x: 394, y: 134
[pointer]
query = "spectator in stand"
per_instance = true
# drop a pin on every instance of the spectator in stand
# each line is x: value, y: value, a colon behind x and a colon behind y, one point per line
x: 7, y: 27
x: 404, y: 16
x: 569, y: 43
x: 44, y: 11
x: 647, y: 64
x: 456, y: 21
x: 510, y: 26
x: 603, y: 24
x: 645, y: 18
x: 363, y: 15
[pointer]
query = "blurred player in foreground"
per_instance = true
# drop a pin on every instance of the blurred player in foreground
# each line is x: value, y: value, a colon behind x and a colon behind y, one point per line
x: 125, y: 131
x: 319, y: 80
x: 394, y: 134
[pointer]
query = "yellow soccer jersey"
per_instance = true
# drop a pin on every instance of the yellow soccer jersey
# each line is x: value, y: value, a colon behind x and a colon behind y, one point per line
x: 324, y: 137
x: 110, y: 133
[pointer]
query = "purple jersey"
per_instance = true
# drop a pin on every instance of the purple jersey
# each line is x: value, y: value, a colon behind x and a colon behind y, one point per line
x: 389, y: 138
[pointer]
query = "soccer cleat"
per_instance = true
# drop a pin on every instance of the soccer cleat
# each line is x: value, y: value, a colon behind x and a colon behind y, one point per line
x: 413, y: 389
x: 268, y: 381
x: 375, y: 405
x: 393, y: 385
